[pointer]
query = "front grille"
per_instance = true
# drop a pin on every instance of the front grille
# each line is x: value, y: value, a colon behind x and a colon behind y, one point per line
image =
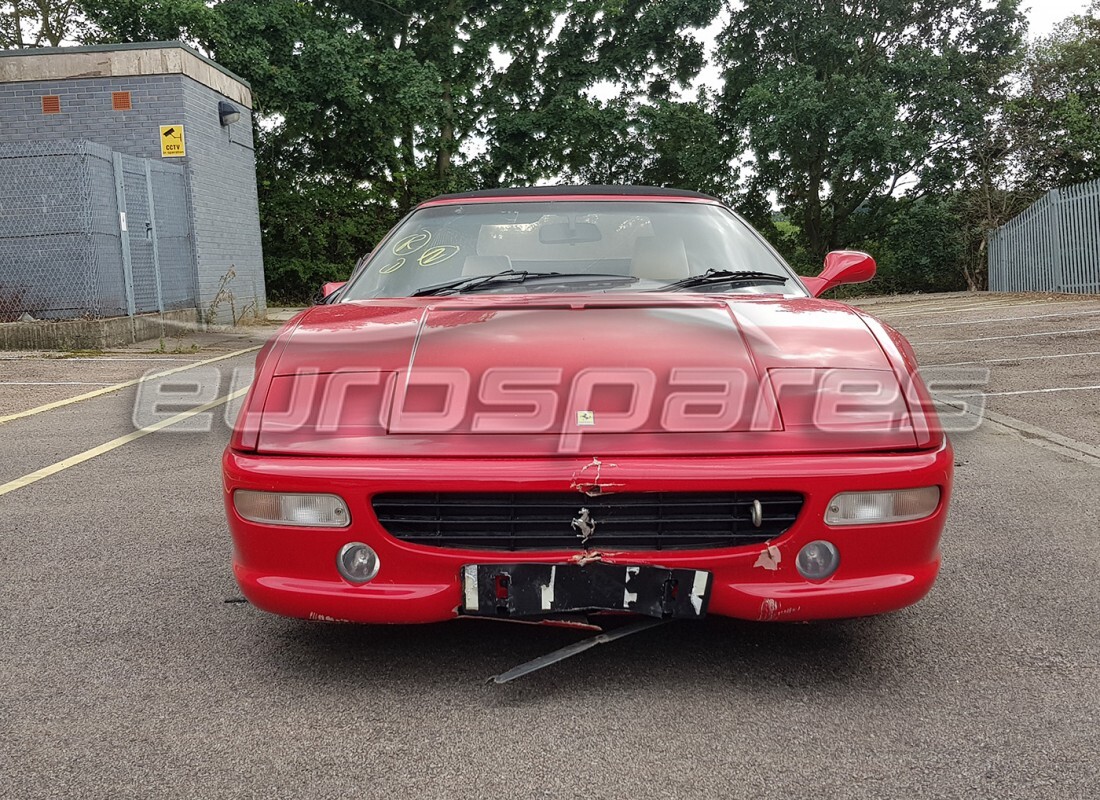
x: 544, y: 521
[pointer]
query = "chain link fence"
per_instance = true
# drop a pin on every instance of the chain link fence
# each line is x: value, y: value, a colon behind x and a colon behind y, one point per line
x: 87, y: 232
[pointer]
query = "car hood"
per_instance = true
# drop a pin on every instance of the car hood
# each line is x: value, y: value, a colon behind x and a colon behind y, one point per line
x: 544, y: 375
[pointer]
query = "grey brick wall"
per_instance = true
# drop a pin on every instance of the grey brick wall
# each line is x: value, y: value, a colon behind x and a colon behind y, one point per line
x: 220, y: 164
x: 222, y: 171
x: 86, y: 111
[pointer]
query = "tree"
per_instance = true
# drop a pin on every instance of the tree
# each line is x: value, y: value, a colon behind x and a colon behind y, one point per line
x: 841, y: 105
x: 582, y: 85
x: 1055, y: 119
x: 680, y: 144
x: 1045, y: 133
x: 37, y: 23
x: 193, y: 21
x: 920, y: 248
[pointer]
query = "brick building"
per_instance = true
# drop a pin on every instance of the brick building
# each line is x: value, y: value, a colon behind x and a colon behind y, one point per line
x: 98, y: 129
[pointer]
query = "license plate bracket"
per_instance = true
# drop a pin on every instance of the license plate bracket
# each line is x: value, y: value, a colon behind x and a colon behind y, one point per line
x: 527, y: 589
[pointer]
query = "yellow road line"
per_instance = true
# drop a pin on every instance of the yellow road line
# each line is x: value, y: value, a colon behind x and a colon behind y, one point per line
x: 115, y: 387
x: 114, y: 444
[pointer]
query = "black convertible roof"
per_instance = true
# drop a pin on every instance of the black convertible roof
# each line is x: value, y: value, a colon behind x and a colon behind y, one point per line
x: 554, y: 191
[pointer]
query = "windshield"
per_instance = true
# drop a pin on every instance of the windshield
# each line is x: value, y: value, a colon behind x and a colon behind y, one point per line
x: 571, y: 246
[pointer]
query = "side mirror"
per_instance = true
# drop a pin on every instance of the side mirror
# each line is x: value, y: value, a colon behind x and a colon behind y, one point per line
x: 841, y: 267
x: 331, y: 287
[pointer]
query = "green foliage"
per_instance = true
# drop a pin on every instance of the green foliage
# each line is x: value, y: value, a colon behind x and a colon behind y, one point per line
x: 919, y: 250
x: 315, y: 234
x: 840, y: 103
x: 150, y: 20
x: 1056, y: 117
x: 791, y: 245
x: 545, y: 109
x: 918, y: 246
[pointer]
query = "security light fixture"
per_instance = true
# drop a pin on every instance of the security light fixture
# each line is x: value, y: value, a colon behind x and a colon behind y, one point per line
x: 228, y: 113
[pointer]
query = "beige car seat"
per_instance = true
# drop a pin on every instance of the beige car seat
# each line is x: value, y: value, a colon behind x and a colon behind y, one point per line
x: 657, y: 259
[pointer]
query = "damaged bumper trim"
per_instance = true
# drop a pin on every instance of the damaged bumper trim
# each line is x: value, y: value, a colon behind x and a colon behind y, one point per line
x: 576, y: 648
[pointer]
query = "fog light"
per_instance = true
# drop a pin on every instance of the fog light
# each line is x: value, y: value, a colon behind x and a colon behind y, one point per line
x: 357, y: 562
x: 867, y: 508
x: 276, y: 508
x: 817, y: 560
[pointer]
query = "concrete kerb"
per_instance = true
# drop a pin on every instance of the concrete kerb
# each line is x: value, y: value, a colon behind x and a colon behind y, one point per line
x: 1080, y: 451
x: 94, y: 334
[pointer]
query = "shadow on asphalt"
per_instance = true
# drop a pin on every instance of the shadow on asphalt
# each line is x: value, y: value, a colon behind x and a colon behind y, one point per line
x: 713, y: 654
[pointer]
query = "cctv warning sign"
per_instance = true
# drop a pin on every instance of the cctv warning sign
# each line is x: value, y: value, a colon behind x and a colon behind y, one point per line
x: 171, y: 141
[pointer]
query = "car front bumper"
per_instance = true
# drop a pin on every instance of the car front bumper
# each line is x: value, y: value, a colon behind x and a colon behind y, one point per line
x: 292, y: 571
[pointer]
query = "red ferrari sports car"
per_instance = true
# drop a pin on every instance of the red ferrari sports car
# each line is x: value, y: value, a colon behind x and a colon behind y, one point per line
x: 543, y: 403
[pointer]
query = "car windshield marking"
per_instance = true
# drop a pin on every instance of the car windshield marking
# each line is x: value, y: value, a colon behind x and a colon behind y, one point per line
x: 515, y: 276
x: 724, y: 276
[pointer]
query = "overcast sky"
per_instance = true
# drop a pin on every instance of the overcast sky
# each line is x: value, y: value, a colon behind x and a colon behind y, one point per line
x: 1045, y: 14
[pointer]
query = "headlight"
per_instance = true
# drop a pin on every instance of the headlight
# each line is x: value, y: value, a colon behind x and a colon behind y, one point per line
x: 276, y: 508
x: 866, y: 508
x: 841, y: 401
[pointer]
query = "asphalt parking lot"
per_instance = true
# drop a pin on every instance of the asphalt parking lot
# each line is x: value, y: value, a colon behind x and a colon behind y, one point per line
x: 128, y: 669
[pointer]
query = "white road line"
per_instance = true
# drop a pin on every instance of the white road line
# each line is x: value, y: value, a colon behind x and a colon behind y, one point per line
x: 114, y: 444
x: 123, y: 385
x: 997, y: 338
x: 995, y: 305
x: 977, y: 302
x: 902, y: 301
x: 899, y: 305
x: 1019, y: 358
x: 912, y: 311
x: 1031, y: 391
x: 974, y: 308
x: 1007, y: 319
x: 959, y: 302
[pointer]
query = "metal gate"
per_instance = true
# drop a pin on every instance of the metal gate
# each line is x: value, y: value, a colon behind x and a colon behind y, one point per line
x: 156, y: 235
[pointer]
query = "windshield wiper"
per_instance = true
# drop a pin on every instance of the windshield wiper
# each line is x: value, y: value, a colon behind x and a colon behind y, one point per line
x: 515, y: 276
x: 725, y: 276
